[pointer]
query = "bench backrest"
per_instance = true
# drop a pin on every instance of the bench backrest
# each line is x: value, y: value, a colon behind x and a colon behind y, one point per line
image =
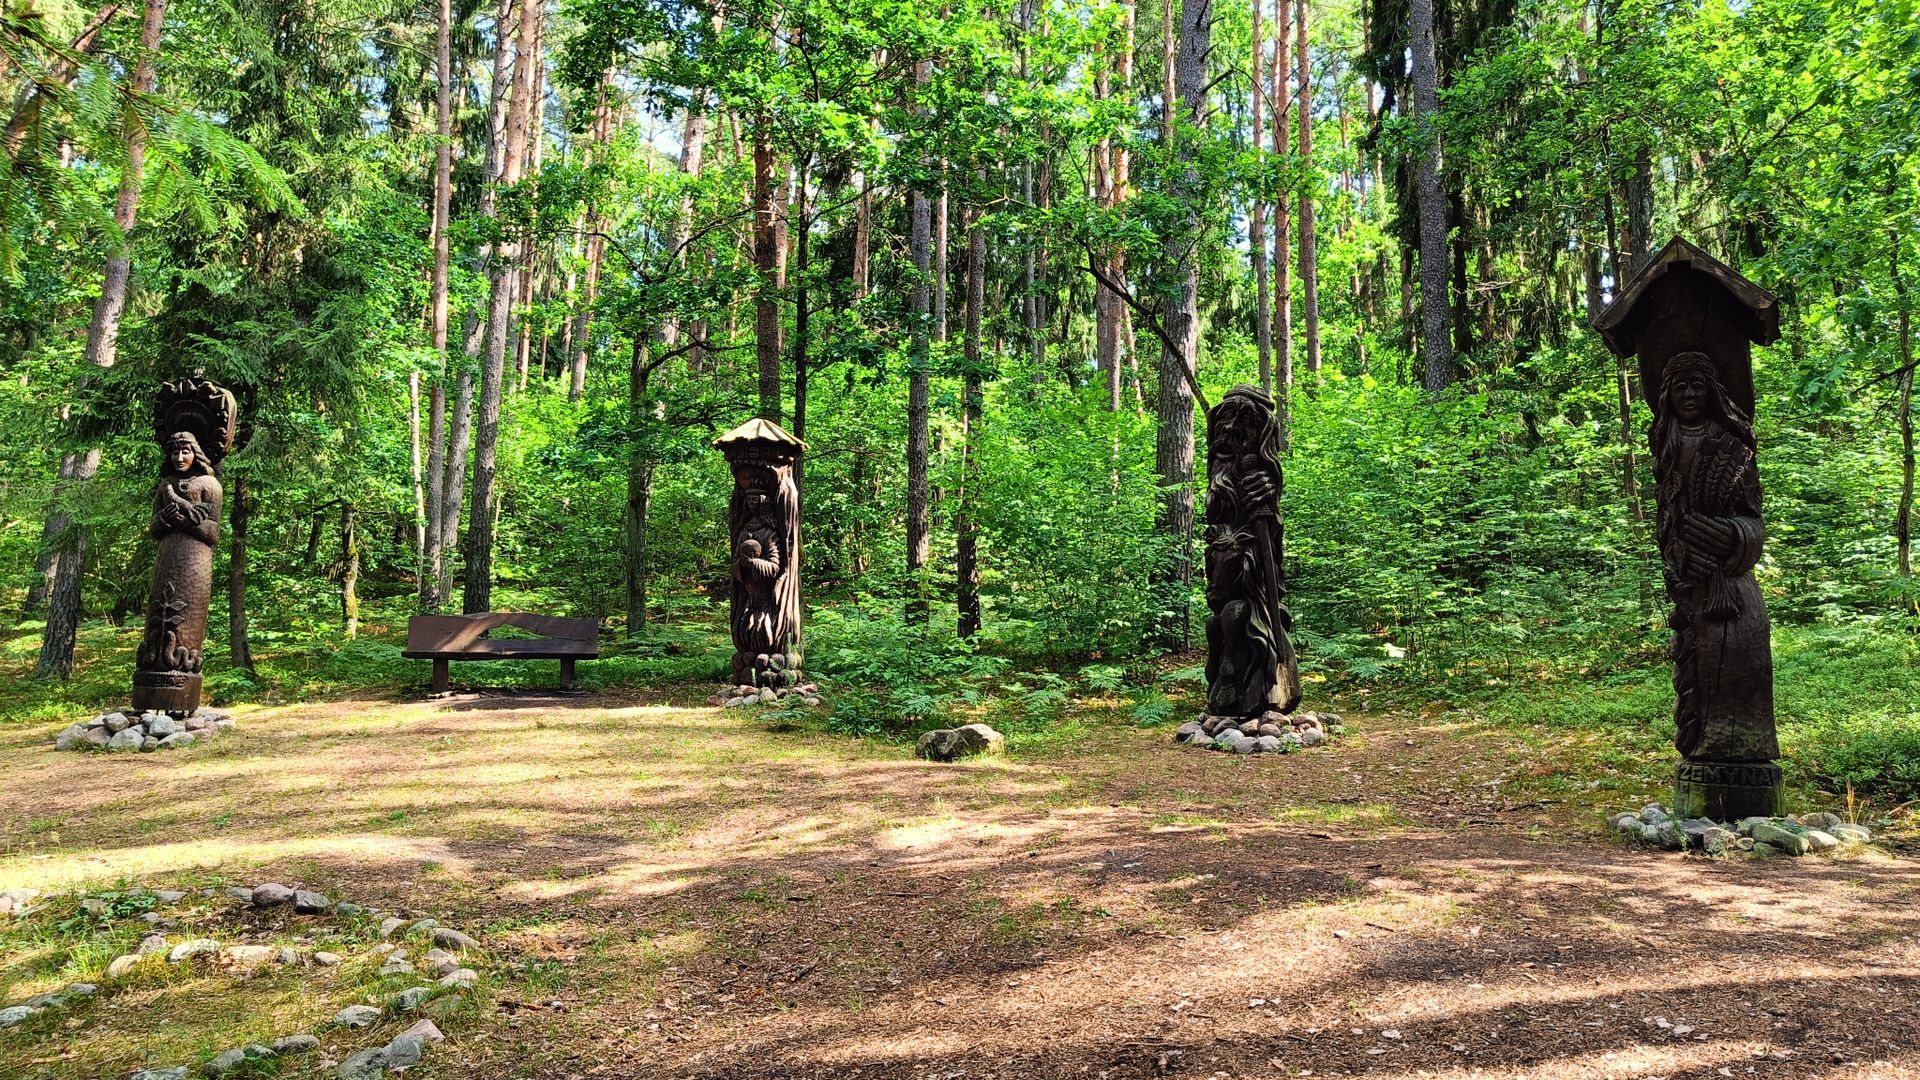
x: 464, y: 633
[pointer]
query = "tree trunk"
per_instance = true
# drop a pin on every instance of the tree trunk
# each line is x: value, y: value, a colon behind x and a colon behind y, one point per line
x: 640, y: 467
x: 103, y: 337
x: 239, y: 514
x: 920, y: 303
x: 349, y: 573
x: 1282, y: 322
x: 1309, y: 250
x: 419, y: 488
x: 433, y: 552
x: 1173, y: 448
x: 768, y: 259
x: 1431, y: 205
x: 1257, y: 215
x: 940, y: 264
x: 966, y: 527
x: 1903, y: 515
x: 579, y: 336
x: 59, y: 74
x: 478, y: 595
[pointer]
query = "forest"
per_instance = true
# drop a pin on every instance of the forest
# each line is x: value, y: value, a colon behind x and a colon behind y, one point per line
x: 488, y: 280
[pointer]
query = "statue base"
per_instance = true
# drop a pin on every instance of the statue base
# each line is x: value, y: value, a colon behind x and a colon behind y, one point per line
x: 1728, y: 790
x: 174, y: 692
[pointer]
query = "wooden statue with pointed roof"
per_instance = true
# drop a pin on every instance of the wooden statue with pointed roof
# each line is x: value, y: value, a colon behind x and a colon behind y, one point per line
x: 763, y: 526
x: 1692, y: 321
x: 193, y: 421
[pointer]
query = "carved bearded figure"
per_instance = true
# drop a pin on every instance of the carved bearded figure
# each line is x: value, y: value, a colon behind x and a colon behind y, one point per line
x: 765, y: 522
x: 1710, y: 536
x: 1250, y: 659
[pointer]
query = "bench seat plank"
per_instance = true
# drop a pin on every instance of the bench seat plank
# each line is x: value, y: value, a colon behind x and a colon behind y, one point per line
x: 445, y: 638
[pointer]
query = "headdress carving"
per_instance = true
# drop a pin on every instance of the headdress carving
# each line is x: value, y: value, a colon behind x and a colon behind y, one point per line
x: 200, y: 409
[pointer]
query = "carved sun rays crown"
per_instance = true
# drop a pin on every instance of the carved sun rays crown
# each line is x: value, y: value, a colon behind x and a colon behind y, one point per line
x: 201, y: 409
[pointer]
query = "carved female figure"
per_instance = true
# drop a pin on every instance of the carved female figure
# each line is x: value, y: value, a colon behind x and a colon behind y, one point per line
x: 1710, y: 534
x: 186, y: 522
x: 1250, y: 659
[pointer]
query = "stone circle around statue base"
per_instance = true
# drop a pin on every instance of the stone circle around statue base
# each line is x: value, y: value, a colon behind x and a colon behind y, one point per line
x: 1759, y: 837
x: 1271, y: 733
x: 808, y: 693
x: 146, y: 732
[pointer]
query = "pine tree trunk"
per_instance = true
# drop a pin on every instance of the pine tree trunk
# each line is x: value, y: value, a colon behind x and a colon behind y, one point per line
x: 767, y: 259
x: 419, y: 486
x: 1282, y: 329
x: 920, y: 304
x: 1257, y: 215
x: 103, y: 338
x: 1309, y: 245
x: 640, y: 468
x: 1173, y: 448
x: 966, y: 527
x: 693, y: 147
x: 1903, y: 514
x: 478, y: 594
x: 349, y: 573
x: 1436, y: 335
x: 239, y: 514
x: 430, y: 596
x: 579, y: 336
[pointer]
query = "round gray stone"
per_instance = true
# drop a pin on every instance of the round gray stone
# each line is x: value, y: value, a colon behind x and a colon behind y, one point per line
x: 15, y: 1014
x: 356, y: 1016
x: 161, y: 726
x: 405, y: 1050
x: 368, y: 1064
x: 269, y: 894
x: 117, y: 722
x: 1312, y: 736
x: 296, y: 1044
x: 225, y: 1062
x: 189, y: 949
x: 1267, y: 744
x: 126, y: 739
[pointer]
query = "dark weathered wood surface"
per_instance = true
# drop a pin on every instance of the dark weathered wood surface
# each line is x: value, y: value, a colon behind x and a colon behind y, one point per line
x: 443, y: 638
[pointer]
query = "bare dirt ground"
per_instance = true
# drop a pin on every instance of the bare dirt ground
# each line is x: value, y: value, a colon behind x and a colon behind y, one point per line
x: 677, y: 892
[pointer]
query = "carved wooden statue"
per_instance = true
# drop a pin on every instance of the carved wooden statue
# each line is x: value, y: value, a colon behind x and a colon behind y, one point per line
x: 1692, y: 320
x: 1250, y: 660
x: 193, y: 420
x: 763, y: 524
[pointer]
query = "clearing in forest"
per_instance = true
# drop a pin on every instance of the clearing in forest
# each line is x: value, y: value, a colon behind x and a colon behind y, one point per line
x: 670, y: 890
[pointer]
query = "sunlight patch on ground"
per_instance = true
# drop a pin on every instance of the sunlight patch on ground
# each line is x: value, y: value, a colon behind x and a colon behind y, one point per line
x: 71, y: 868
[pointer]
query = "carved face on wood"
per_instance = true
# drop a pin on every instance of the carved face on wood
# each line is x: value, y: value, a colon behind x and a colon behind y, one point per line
x: 184, y: 456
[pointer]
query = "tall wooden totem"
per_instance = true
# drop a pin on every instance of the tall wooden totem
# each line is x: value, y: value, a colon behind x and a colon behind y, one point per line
x: 1692, y: 321
x: 763, y: 526
x: 193, y: 420
x: 1251, y: 667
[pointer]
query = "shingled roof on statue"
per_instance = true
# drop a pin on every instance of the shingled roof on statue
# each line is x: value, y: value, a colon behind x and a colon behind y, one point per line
x: 759, y: 429
x: 1698, y: 304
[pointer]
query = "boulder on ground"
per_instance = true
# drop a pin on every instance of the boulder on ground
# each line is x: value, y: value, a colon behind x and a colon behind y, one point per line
x: 952, y: 744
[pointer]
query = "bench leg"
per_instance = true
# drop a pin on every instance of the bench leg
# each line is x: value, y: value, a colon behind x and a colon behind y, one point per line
x: 566, y: 673
x: 440, y: 676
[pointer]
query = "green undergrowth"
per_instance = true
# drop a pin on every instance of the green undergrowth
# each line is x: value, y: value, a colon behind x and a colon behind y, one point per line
x: 1846, y: 699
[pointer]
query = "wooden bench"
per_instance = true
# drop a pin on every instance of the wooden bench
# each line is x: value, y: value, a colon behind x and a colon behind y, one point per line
x: 443, y: 638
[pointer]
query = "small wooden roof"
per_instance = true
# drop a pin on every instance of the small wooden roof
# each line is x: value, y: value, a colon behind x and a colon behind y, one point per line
x: 759, y: 429
x: 1620, y: 330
